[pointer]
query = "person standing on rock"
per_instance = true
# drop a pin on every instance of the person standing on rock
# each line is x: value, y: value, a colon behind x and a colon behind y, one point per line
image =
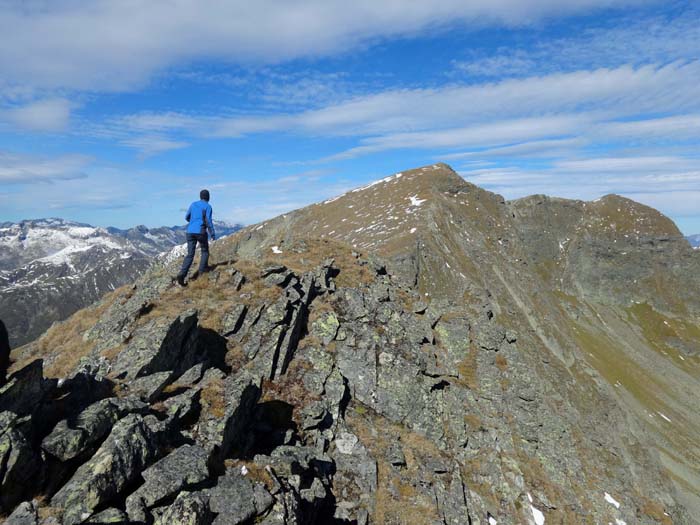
x: 200, y: 221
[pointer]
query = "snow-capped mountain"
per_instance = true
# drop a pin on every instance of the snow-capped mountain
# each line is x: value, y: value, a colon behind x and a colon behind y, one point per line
x: 49, y: 268
x: 694, y: 240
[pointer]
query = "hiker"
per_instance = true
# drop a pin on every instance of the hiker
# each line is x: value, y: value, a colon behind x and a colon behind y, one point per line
x: 4, y: 352
x: 199, y: 219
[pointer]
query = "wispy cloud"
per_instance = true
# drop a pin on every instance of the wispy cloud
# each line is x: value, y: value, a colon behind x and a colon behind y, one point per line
x: 449, y: 116
x: 116, y: 45
x: 23, y: 169
x: 41, y: 115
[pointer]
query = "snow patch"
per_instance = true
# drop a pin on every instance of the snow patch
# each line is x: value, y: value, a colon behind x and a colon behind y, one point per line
x: 276, y: 249
x: 415, y: 201
x: 663, y: 416
x: 612, y: 500
x: 536, y: 513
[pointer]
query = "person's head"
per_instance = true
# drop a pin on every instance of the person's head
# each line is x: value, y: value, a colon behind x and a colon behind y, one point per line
x: 204, y: 195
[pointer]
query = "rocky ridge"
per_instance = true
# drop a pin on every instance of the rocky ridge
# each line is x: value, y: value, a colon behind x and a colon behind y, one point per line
x: 416, y: 351
x: 50, y: 268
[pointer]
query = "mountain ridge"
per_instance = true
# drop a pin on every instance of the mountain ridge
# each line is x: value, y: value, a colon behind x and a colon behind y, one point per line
x: 448, y: 356
x: 49, y: 268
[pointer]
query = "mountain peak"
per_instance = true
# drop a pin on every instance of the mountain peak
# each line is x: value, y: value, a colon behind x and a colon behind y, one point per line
x: 376, y: 346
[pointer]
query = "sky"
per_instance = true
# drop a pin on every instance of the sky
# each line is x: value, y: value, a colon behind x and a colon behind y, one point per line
x: 117, y: 112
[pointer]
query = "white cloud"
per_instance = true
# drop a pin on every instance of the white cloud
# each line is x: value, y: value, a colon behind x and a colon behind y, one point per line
x: 22, y: 169
x: 41, y: 115
x: 153, y: 144
x: 107, y: 45
x: 392, y: 117
x: 529, y: 149
x: 633, y: 39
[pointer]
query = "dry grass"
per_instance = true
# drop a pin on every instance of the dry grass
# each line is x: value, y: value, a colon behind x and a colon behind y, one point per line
x: 290, y: 388
x: 314, y: 251
x: 256, y: 473
x: 655, y: 511
x: 212, y: 398
x: 62, y: 346
x: 468, y: 370
x: 501, y: 362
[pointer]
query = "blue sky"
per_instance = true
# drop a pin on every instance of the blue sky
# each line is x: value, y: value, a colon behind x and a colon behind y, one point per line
x: 117, y: 113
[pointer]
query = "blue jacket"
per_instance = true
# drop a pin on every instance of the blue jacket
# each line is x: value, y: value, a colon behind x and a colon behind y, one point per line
x: 199, y: 218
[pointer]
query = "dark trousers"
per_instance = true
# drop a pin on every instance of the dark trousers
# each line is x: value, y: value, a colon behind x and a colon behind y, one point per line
x: 192, y: 240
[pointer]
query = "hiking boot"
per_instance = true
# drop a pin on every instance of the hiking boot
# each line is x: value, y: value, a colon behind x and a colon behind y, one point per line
x: 181, y: 280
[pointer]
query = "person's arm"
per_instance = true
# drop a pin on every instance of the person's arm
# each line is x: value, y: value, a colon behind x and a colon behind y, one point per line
x: 210, y: 223
x: 189, y: 214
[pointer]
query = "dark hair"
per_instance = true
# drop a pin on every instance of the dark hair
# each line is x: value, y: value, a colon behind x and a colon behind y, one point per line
x: 204, y: 195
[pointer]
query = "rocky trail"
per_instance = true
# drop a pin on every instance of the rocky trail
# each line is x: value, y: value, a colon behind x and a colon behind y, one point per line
x: 423, y: 371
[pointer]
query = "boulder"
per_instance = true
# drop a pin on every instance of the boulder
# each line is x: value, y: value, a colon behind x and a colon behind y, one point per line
x: 233, y: 320
x: 24, y: 514
x: 235, y: 499
x: 108, y: 516
x: 21, y: 468
x: 183, y: 468
x: 72, y: 437
x: 227, y: 412
x: 161, y: 345
x: 189, y: 508
x: 132, y: 445
x: 26, y: 389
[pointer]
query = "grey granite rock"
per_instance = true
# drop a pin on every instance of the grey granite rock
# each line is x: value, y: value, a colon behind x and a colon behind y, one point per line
x: 24, y: 514
x: 183, y: 468
x: 70, y: 438
x: 189, y: 508
x: 128, y: 450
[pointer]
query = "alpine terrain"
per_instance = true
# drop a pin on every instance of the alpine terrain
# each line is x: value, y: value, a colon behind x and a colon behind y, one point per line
x: 50, y: 268
x: 694, y: 240
x: 417, y: 351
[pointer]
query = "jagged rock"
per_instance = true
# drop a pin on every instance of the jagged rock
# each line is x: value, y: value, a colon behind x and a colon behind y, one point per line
x: 108, y: 516
x: 273, y: 269
x: 131, y: 446
x: 238, y: 280
x: 4, y: 352
x: 279, y: 279
x: 326, y: 327
x: 354, y: 479
x: 235, y: 499
x: 224, y: 423
x: 183, y: 406
x: 192, y: 376
x: 159, y: 346
x: 189, y: 508
x: 26, y: 389
x: 183, y: 468
x: 233, y: 320
x: 24, y: 514
x: 70, y: 438
x: 20, y: 466
x: 151, y: 386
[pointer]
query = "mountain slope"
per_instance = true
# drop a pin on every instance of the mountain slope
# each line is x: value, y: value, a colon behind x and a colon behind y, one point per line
x: 50, y: 268
x: 694, y: 240
x: 416, y: 351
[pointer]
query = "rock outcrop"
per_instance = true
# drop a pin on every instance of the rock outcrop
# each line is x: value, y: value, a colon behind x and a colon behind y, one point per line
x: 4, y: 352
x: 444, y: 366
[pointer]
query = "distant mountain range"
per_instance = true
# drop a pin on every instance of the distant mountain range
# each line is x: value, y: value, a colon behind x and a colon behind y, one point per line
x: 49, y: 268
x: 694, y: 240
